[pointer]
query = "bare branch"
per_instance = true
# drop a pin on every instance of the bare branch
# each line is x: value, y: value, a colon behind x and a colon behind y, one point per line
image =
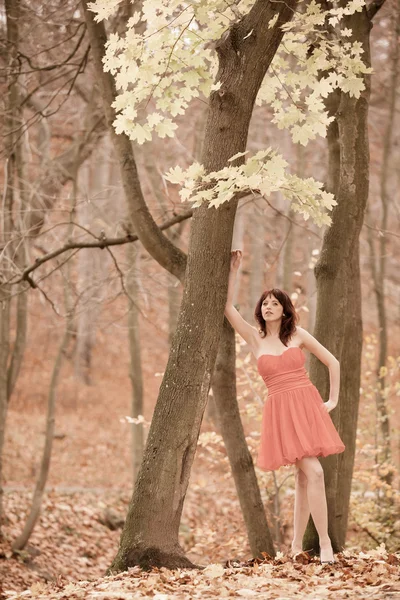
x: 101, y: 242
x: 57, y: 65
x: 374, y: 7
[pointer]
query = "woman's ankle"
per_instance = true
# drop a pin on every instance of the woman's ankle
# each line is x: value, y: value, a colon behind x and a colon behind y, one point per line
x: 297, y: 546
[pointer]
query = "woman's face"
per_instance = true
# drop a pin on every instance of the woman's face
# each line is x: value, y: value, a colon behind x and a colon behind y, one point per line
x: 271, y: 309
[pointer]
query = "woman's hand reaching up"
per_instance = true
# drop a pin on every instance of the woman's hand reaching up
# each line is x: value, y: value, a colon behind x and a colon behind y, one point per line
x: 236, y: 259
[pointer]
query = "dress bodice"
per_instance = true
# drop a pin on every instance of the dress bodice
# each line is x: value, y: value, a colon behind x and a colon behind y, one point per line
x: 283, y: 372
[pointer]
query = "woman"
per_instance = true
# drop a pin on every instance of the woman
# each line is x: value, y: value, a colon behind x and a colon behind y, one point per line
x: 296, y: 426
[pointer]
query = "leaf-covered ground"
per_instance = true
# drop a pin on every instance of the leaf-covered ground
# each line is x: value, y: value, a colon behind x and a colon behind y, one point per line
x: 72, y: 547
x: 353, y: 576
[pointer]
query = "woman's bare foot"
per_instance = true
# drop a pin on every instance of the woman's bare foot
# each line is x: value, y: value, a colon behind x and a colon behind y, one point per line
x: 326, y: 553
x: 296, y: 549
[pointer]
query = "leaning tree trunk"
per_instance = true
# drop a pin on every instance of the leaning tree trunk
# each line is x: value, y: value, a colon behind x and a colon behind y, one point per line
x: 224, y: 389
x: 335, y: 274
x: 150, y: 535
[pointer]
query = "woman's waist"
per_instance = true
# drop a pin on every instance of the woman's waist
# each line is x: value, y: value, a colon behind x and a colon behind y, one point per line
x: 285, y: 382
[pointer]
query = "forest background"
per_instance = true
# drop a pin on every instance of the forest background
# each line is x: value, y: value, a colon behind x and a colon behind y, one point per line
x: 100, y: 319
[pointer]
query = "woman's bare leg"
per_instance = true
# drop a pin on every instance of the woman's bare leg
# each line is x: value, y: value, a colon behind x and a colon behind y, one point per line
x: 301, y: 510
x: 312, y: 469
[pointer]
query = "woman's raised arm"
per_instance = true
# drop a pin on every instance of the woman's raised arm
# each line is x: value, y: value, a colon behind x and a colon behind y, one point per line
x: 244, y: 329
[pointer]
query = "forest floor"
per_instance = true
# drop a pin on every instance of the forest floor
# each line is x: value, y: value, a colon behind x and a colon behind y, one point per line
x: 72, y: 546
x: 90, y: 485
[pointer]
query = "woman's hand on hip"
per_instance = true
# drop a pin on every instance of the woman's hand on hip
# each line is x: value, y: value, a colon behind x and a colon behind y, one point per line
x: 329, y: 405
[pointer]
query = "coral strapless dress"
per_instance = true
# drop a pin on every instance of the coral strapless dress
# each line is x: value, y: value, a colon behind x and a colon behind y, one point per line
x: 295, y: 423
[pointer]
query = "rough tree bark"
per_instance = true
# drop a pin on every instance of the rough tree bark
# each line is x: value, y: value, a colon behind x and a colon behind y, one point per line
x: 338, y: 286
x: 150, y: 535
x: 378, y: 264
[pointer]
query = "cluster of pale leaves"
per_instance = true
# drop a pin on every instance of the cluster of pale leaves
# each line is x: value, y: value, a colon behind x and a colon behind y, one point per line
x: 172, y: 60
x: 303, y: 74
x: 263, y: 173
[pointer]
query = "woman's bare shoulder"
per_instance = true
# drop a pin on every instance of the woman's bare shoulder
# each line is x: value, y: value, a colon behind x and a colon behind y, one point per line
x: 299, y: 337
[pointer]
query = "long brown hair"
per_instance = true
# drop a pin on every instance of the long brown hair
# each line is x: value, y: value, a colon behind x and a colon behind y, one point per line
x: 288, y: 325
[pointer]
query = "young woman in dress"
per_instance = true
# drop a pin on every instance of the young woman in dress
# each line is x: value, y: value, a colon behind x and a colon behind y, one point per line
x: 296, y: 426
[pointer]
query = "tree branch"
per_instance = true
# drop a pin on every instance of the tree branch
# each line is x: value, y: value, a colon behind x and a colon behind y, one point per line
x: 156, y: 243
x: 101, y: 242
x: 374, y: 7
x: 60, y: 64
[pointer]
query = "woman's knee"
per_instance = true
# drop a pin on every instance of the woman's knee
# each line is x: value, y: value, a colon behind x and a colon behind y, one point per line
x: 311, y: 468
x: 301, y: 477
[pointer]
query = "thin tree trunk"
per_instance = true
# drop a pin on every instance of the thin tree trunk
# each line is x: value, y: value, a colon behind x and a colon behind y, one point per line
x: 224, y: 390
x: 136, y: 373
x: 33, y: 516
x: 380, y: 400
x: 150, y: 535
x: 335, y: 277
x: 21, y: 317
x: 11, y: 125
x: 4, y: 349
x: 90, y: 265
x: 378, y: 267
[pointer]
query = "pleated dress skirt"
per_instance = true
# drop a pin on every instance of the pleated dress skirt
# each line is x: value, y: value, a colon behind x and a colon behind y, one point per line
x: 295, y: 423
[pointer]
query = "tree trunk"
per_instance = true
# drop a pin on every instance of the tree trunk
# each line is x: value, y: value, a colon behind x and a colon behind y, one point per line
x: 90, y: 264
x: 11, y: 126
x: 335, y: 277
x: 4, y: 349
x: 33, y: 516
x: 150, y: 535
x: 136, y: 374
x: 224, y: 390
x: 349, y: 395
x: 378, y: 268
x: 20, y: 256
